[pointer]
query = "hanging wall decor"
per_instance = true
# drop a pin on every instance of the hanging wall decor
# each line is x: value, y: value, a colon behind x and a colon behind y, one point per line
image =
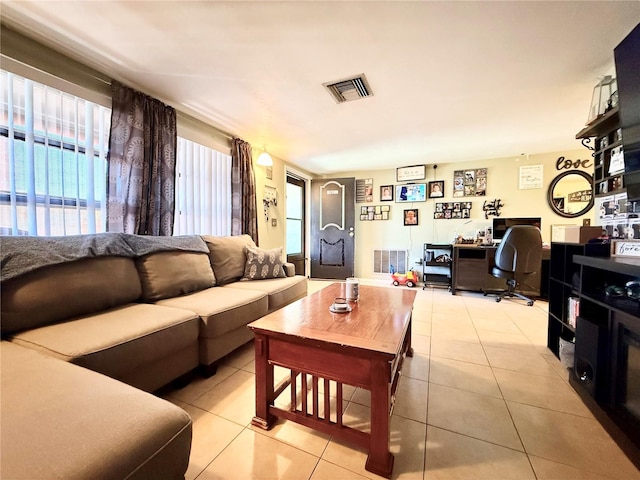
x: 386, y: 193
x: 451, y: 210
x: 414, y: 172
x: 492, y: 208
x: 375, y: 212
x: 470, y: 183
x: 411, y: 216
x: 364, y: 190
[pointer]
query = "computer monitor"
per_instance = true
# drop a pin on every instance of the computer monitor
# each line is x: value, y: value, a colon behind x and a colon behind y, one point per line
x: 500, y: 225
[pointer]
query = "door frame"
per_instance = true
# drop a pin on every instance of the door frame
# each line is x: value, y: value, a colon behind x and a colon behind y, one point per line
x: 307, y: 212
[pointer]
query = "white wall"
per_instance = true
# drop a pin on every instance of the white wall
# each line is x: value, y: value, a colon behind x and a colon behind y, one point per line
x: 502, y: 183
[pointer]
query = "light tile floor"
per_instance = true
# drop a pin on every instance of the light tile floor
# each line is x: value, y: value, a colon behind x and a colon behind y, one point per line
x: 482, y: 398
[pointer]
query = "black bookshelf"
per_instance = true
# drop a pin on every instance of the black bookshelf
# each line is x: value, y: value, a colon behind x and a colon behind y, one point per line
x: 564, y: 282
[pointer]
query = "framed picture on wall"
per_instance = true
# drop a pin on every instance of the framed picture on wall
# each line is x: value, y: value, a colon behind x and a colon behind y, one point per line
x: 411, y: 216
x: 412, y: 192
x: 436, y: 189
x: 414, y: 172
x: 386, y: 193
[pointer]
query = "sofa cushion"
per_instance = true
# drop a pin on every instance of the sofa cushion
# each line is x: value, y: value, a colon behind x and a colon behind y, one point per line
x: 227, y: 256
x: 263, y: 264
x: 169, y: 274
x: 222, y: 310
x: 66, y: 290
x: 116, y: 341
x: 60, y: 421
x: 281, y: 291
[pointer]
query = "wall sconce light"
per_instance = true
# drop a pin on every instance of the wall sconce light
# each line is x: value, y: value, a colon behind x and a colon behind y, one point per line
x: 603, y: 98
x: 265, y: 159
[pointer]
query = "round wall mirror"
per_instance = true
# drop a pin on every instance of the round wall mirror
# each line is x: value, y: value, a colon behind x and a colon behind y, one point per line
x: 570, y: 194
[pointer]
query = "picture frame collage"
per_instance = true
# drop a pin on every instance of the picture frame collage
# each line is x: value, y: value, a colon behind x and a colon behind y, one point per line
x: 470, y: 183
x: 466, y: 183
x: 375, y: 212
x: 452, y: 210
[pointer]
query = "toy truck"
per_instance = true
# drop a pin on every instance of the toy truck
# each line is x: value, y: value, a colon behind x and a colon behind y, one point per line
x: 410, y: 279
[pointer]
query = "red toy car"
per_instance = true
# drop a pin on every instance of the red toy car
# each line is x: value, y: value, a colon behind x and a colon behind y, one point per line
x: 410, y: 279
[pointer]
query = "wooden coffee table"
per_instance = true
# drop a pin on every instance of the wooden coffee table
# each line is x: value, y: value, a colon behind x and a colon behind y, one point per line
x: 364, y: 348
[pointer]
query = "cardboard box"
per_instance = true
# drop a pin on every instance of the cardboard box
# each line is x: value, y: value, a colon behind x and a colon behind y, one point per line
x: 574, y: 233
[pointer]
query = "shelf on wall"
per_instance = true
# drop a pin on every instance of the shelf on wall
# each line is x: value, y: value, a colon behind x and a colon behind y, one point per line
x: 600, y: 125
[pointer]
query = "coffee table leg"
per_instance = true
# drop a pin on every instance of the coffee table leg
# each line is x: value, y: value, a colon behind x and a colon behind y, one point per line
x: 380, y: 459
x: 264, y: 383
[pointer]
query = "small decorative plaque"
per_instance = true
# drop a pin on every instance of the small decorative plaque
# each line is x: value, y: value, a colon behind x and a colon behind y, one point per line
x: 625, y: 248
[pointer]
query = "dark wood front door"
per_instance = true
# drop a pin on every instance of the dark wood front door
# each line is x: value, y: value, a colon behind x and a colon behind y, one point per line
x: 332, y: 228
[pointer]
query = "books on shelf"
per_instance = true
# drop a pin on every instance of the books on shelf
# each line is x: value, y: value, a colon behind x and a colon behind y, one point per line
x: 573, y: 310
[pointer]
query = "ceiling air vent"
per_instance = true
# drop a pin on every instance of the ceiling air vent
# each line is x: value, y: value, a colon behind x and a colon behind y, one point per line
x: 349, y: 89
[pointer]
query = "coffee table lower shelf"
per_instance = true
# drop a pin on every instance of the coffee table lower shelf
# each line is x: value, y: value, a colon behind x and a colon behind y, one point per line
x: 315, y: 364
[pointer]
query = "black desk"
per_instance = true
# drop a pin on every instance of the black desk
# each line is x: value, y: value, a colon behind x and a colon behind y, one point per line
x: 472, y: 265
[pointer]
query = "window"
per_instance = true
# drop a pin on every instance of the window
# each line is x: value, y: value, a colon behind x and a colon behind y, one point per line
x: 52, y: 160
x: 53, y: 167
x: 295, y: 207
x: 203, y: 190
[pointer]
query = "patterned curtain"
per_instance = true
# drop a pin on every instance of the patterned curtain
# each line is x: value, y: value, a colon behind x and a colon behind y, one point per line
x: 141, y: 164
x: 244, y: 215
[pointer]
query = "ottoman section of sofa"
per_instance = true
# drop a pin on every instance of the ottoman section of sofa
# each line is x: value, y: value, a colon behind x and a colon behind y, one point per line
x: 61, y: 421
x: 281, y: 291
x: 224, y: 316
x: 143, y: 345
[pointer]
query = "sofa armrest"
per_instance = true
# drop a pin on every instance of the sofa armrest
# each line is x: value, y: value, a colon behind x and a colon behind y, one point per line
x: 289, y: 269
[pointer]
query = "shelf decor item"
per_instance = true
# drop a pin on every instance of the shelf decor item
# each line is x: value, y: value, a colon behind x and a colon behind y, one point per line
x: 625, y: 248
x: 603, y: 97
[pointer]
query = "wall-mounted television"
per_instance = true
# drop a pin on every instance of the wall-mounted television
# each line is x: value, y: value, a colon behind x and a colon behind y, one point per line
x: 500, y: 225
x: 412, y: 192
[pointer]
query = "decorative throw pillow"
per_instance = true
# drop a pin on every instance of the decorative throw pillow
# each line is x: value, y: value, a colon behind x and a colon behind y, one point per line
x: 263, y: 264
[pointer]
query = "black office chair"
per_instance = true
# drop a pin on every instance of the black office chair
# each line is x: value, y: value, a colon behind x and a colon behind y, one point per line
x: 518, y: 257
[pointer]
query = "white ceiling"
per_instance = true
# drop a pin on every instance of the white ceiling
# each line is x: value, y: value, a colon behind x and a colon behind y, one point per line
x: 452, y: 81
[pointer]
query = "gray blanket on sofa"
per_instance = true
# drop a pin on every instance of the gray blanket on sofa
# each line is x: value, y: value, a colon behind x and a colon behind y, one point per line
x: 20, y: 255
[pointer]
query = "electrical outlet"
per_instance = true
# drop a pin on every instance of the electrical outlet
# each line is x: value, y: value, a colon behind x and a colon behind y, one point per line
x: 274, y: 222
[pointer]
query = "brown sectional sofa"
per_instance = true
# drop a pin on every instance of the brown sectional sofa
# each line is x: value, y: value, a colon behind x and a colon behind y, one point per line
x: 61, y: 421
x: 141, y: 310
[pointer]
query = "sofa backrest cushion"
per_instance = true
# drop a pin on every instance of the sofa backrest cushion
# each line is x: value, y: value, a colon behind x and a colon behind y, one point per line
x: 67, y: 290
x: 227, y: 256
x: 170, y: 274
